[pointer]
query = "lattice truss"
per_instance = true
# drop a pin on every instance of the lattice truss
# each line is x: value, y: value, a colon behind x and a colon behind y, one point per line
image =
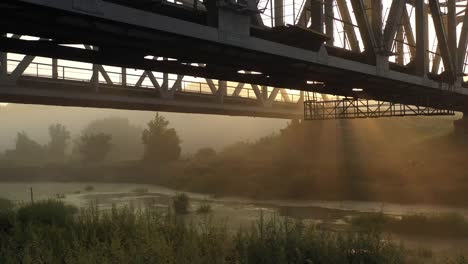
x: 166, y: 85
x: 324, y: 107
x: 398, y: 29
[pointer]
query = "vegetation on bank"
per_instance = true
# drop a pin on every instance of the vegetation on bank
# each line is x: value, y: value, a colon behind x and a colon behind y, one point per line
x: 50, y: 232
x: 441, y: 225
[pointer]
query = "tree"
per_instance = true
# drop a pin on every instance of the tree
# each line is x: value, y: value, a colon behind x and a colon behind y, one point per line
x: 26, y: 149
x: 204, y: 154
x: 59, y: 136
x: 94, y: 147
x: 161, y: 143
x: 126, y: 137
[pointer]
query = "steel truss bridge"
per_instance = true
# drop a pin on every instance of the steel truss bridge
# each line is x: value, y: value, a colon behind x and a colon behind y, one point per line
x: 238, y: 57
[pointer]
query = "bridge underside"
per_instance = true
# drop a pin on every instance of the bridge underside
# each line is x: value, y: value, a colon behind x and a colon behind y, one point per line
x: 278, y: 60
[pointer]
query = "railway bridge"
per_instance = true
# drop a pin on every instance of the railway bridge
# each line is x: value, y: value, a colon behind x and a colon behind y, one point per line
x: 312, y: 59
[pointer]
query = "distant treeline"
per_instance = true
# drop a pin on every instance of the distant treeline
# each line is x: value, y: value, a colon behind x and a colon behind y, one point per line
x: 391, y: 161
x: 104, y: 140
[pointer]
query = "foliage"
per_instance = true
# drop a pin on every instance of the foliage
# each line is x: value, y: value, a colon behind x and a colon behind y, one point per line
x: 26, y: 149
x: 204, y: 154
x: 147, y: 236
x: 440, y: 225
x: 204, y: 208
x: 50, y: 212
x: 94, y: 147
x: 161, y: 143
x: 126, y: 137
x: 89, y: 188
x: 59, y: 137
x: 5, y: 204
x: 181, y: 203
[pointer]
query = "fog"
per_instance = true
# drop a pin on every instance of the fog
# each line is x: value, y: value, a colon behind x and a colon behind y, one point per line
x: 195, y: 130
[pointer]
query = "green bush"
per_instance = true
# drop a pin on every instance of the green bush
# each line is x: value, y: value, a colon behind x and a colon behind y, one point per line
x: 48, y: 212
x: 181, y: 203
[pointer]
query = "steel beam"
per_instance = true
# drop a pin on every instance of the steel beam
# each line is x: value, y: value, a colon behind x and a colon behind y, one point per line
x: 442, y: 38
x: 377, y: 21
x: 3, y: 64
x: 409, y: 33
x: 329, y: 19
x: 316, y: 10
x: 463, y: 43
x: 285, y: 95
x: 452, y: 33
x: 238, y: 89
x: 400, y: 55
x: 22, y: 66
x: 54, y: 68
x: 421, y: 38
x: 279, y: 12
x: 367, y: 34
x: 393, y: 23
x: 222, y: 90
x: 348, y: 25
x: 124, y: 76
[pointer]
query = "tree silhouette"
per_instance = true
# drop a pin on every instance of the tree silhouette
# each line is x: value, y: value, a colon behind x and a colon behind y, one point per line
x: 59, y: 136
x: 204, y: 154
x: 26, y: 149
x: 94, y: 147
x: 161, y: 143
x: 126, y: 137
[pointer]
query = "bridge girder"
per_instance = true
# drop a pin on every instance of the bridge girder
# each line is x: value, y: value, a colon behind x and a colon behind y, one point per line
x: 123, y: 36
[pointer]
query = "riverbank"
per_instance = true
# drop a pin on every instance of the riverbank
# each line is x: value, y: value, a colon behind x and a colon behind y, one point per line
x: 238, y: 213
x: 255, y: 181
x: 52, y: 232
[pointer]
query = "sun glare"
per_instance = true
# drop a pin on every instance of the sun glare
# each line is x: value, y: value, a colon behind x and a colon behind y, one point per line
x: 3, y: 104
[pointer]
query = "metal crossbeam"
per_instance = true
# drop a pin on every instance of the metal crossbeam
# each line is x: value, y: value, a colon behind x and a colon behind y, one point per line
x: 352, y: 108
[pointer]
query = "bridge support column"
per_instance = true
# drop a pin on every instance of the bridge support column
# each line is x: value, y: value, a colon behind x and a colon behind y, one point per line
x: 3, y: 64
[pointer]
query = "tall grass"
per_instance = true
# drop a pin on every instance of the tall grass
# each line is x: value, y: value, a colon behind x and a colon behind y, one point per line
x: 126, y: 235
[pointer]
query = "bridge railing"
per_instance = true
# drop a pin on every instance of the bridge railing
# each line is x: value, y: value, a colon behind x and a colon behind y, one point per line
x: 83, y: 72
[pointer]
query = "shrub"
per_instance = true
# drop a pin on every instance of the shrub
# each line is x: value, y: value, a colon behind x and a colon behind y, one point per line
x: 89, y: 188
x: 204, y: 208
x: 181, y: 203
x: 6, y: 215
x: 48, y: 212
x: 5, y: 204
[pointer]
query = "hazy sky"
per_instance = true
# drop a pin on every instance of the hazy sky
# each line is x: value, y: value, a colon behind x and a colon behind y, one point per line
x: 195, y: 130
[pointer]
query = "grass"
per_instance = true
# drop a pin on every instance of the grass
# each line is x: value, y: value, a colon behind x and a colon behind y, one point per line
x: 147, y: 236
x: 5, y: 204
x: 441, y: 225
x: 50, y: 212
